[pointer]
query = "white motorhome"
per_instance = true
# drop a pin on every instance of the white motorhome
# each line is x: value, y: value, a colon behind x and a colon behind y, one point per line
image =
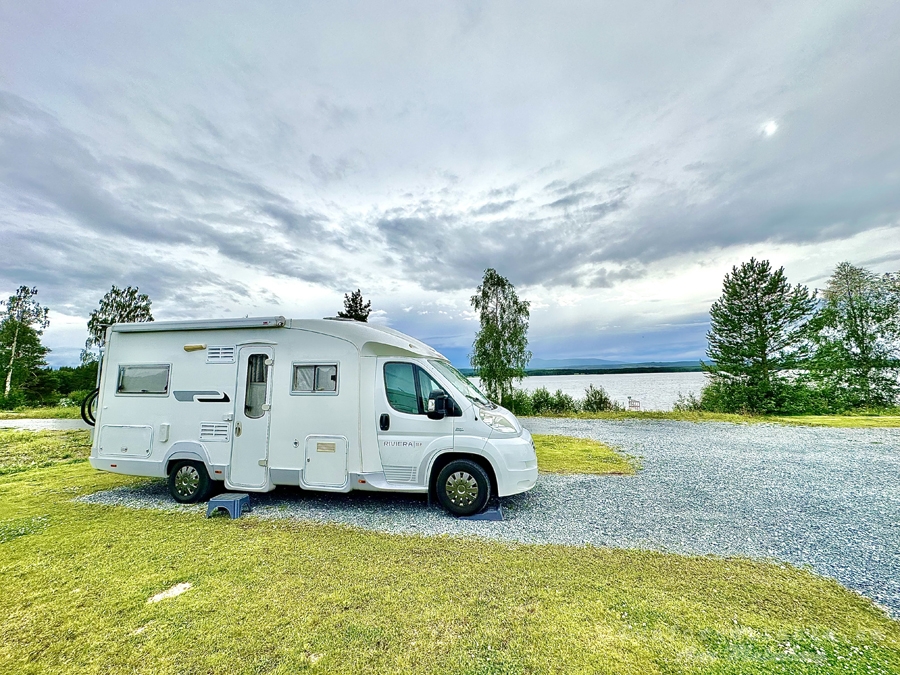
x: 328, y: 405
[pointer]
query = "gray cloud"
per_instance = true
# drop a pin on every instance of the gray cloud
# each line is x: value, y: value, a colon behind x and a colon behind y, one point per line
x: 575, y: 148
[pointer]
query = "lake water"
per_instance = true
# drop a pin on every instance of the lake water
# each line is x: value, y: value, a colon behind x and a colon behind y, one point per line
x: 655, y: 391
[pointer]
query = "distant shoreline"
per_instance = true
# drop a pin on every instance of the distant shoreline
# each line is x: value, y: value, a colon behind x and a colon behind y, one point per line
x: 541, y: 372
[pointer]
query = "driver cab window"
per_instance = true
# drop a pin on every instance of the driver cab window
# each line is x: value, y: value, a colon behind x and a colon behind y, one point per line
x: 408, y: 387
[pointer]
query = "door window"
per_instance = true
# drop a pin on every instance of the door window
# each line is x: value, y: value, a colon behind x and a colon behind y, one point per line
x: 408, y: 387
x: 257, y: 372
x: 400, y: 385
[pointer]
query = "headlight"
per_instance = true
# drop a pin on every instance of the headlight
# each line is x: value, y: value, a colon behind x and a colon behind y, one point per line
x: 498, y: 422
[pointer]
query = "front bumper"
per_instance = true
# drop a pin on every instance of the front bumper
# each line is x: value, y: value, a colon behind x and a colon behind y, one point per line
x: 518, y: 470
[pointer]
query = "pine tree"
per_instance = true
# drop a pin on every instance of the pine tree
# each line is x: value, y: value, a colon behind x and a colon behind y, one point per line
x: 355, y: 308
x: 500, y: 352
x: 757, y: 333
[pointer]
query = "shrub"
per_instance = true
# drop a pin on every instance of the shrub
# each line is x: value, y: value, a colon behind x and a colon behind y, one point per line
x: 561, y: 403
x: 597, y: 400
x: 541, y: 401
x: 689, y: 403
x: 519, y: 402
x: 16, y: 399
x: 78, y: 396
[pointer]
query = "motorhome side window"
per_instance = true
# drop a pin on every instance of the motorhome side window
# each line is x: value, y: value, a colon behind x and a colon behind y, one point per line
x: 314, y: 378
x: 408, y: 387
x: 143, y: 379
x: 257, y: 371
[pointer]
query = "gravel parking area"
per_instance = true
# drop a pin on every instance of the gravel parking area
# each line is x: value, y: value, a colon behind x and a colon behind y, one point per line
x: 826, y: 498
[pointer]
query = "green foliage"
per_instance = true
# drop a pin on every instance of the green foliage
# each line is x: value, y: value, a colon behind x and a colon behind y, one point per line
x: 72, y: 381
x: 561, y: 403
x: 355, y: 308
x: 119, y: 305
x: 688, y: 403
x: 857, y: 340
x: 14, y: 399
x: 542, y: 402
x: 597, y: 400
x: 500, y: 352
x: 519, y: 402
x: 758, y: 332
x: 22, y: 322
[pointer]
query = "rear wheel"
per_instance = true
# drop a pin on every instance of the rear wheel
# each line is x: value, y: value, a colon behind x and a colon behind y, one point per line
x: 463, y: 487
x: 189, y: 482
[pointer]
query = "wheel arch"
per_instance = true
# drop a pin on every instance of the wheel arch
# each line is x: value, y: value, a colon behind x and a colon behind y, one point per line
x: 188, y: 450
x: 443, y: 458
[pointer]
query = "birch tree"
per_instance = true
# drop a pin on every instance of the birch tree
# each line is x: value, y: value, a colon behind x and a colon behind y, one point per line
x: 500, y: 352
x: 857, y: 339
x: 22, y: 322
x: 119, y: 305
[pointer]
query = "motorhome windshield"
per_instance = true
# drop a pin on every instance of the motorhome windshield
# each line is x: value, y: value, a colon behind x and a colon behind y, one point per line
x: 469, y: 390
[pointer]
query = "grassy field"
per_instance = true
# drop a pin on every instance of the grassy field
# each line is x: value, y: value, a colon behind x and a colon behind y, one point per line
x: 564, y: 454
x: 22, y: 450
x: 843, y: 421
x: 846, y: 421
x: 287, y: 597
x: 45, y: 413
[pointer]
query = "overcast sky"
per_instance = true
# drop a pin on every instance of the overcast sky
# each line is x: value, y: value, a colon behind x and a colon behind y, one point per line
x: 613, y: 160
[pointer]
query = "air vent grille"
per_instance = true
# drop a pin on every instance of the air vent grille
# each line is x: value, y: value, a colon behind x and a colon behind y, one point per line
x: 213, y: 431
x: 400, y: 474
x: 219, y: 354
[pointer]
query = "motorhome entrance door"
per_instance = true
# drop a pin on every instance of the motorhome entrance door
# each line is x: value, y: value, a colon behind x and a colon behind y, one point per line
x: 253, y: 394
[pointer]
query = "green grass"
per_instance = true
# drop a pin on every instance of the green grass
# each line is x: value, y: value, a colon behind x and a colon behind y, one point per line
x: 564, y: 454
x: 288, y: 597
x: 846, y: 421
x: 842, y: 421
x: 44, y: 413
x: 21, y: 450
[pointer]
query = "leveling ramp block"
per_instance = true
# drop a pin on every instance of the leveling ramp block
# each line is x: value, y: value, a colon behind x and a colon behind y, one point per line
x: 232, y: 502
x: 492, y: 512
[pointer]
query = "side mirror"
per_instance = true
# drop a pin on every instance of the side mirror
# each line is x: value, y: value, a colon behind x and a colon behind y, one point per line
x: 437, y: 405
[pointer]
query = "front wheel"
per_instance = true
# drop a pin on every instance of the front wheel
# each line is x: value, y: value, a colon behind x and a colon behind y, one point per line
x: 189, y: 482
x: 463, y: 487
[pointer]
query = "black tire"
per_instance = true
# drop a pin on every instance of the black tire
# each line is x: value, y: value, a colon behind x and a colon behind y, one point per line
x: 87, y: 407
x: 463, y: 487
x: 189, y: 482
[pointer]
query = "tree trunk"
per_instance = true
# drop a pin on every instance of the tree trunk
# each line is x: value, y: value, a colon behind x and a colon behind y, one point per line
x: 12, y: 358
